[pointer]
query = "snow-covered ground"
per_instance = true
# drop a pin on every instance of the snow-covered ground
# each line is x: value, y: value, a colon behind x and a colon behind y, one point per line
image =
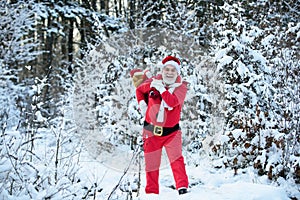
x: 207, y: 183
x: 99, y: 172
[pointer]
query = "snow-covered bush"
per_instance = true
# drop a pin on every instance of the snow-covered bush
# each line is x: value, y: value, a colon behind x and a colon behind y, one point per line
x: 46, y: 170
x: 17, y: 43
x: 252, y: 134
x: 286, y: 80
x: 35, y: 163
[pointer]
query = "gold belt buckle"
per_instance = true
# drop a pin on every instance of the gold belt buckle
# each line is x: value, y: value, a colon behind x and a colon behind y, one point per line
x: 158, y: 130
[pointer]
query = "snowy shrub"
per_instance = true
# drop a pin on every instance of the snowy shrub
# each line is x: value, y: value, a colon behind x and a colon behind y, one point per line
x: 36, y: 163
x: 10, y: 95
x: 41, y: 167
x: 256, y: 104
x: 17, y: 50
x: 286, y: 81
x: 18, y: 46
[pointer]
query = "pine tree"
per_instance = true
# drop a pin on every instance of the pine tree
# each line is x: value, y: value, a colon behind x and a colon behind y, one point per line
x: 18, y: 45
x: 18, y: 49
x: 247, y: 87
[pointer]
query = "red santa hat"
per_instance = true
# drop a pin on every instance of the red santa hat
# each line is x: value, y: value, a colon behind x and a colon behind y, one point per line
x: 171, y: 60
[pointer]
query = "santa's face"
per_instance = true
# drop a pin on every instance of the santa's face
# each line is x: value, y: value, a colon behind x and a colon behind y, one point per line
x: 169, y: 74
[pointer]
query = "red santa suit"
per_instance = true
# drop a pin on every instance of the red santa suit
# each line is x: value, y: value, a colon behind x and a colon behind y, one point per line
x: 161, y: 129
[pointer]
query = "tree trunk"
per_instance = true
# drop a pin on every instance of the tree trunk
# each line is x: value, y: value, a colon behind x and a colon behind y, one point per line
x: 64, y: 38
x: 104, y: 6
x: 131, y: 14
x: 116, y: 8
x: 49, y: 43
x: 70, y: 41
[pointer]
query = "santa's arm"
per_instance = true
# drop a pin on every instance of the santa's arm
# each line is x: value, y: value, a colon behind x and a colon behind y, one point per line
x: 142, y: 97
x: 176, y: 98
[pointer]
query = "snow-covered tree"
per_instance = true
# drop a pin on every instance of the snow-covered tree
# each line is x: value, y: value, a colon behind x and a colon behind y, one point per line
x: 253, y: 112
x: 18, y: 48
x: 285, y: 64
x: 247, y: 88
x: 18, y: 44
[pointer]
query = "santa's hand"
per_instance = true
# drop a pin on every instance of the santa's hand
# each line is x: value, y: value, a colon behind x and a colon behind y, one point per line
x: 158, y: 85
x: 143, y: 107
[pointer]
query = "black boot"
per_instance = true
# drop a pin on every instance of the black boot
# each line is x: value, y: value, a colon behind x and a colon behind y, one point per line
x: 182, y: 191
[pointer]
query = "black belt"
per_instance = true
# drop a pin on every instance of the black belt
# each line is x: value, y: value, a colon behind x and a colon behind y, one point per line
x: 159, y: 130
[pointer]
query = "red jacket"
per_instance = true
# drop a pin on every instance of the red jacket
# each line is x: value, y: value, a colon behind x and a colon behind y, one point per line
x: 154, y: 98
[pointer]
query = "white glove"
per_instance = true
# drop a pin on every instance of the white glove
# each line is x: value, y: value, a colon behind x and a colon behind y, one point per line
x: 143, y: 107
x: 158, y: 84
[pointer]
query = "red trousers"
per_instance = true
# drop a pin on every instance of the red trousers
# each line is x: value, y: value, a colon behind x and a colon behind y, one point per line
x: 153, y: 149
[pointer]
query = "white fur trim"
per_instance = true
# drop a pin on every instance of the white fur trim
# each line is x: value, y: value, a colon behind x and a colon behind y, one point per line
x: 138, y: 73
x: 143, y: 107
x: 173, y: 63
x: 163, y: 104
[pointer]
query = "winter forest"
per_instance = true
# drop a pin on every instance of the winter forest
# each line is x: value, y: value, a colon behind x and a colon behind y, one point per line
x: 70, y: 122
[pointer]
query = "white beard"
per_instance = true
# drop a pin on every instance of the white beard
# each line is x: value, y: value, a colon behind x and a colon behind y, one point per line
x: 169, y: 81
